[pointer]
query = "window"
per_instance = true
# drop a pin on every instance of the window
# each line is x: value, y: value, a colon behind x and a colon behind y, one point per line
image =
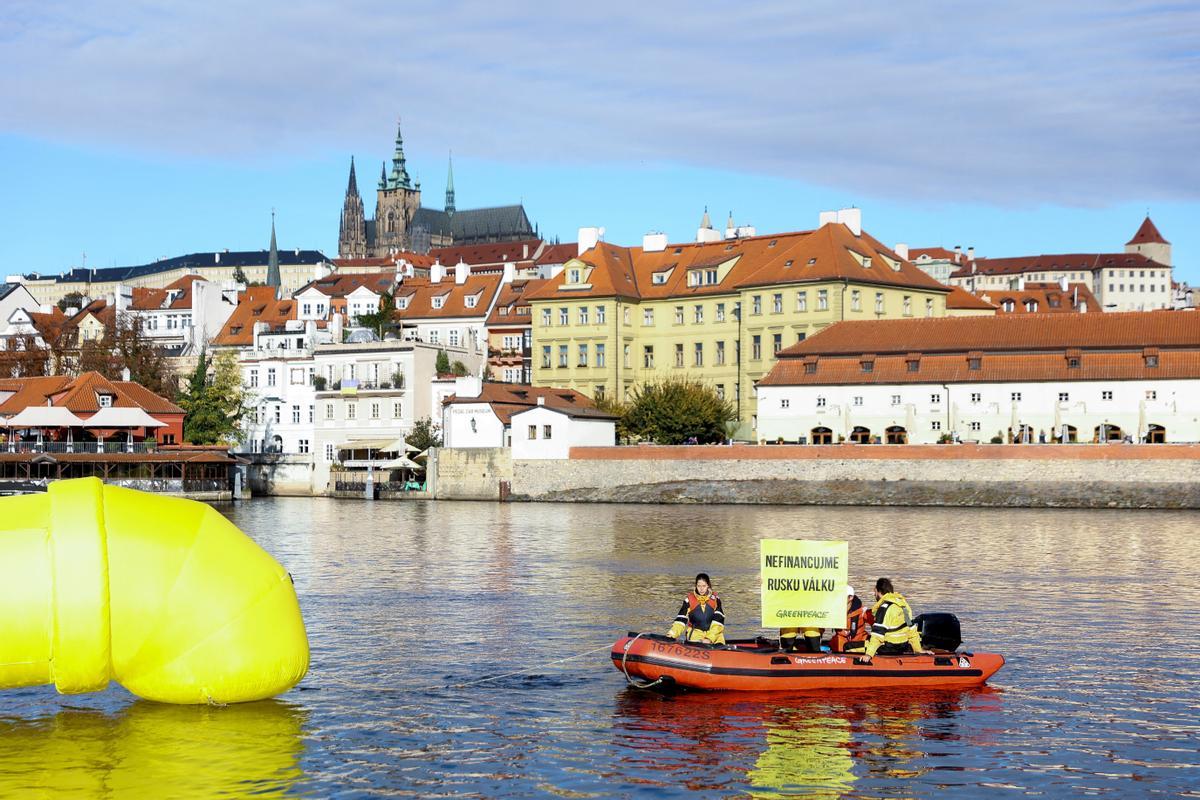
x: 599, y: 355
x: 329, y: 411
x: 625, y: 314
x: 974, y: 362
x: 625, y: 357
x: 546, y: 431
x: 856, y: 300
x: 776, y: 343
x: 647, y: 316
x: 678, y: 315
x: 532, y: 432
x: 599, y: 393
x: 822, y: 300
x: 867, y: 366
x: 1151, y: 394
x: 329, y: 452
x: 546, y: 317
x: 698, y: 314
x: 1073, y: 362
x: 820, y: 402
x: 719, y: 359
x: 599, y: 315
x: 935, y: 425
x: 472, y: 300
x: 253, y: 378
x: 374, y: 410
x: 935, y: 399
x: 698, y: 355
x: 858, y: 400
x: 648, y: 356
x: 756, y: 347
x: 295, y: 415
x: 312, y: 414
x: 351, y: 410
x: 1106, y: 394
x: 1064, y: 397
x: 1151, y: 361
x: 679, y: 355
x: 574, y: 276
x: 453, y: 337
x: 271, y: 376
x: 976, y: 397
x: 439, y: 301
x: 879, y: 302
x: 895, y: 399
x: 720, y: 391
x: 397, y: 410
x: 975, y: 426
x: 583, y: 355
x: 720, y: 312
x: 777, y: 303
x: 756, y: 304
x: 302, y: 446
x: 564, y: 316
x: 583, y: 315
x: 784, y: 402
x: 907, y: 305
x: 929, y: 306
x: 1016, y: 397
x: 545, y: 356
x: 562, y: 355
x: 913, y: 365
x: 802, y: 301
x: 434, y: 336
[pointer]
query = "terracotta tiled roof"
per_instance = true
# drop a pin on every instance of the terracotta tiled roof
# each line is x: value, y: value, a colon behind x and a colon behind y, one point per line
x: 1004, y: 332
x: 420, y: 293
x: 29, y: 392
x: 1147, y: 234
x: 489, y: 253
x: 935, y: 253
x: 831, y: 252
x: 49, y: 326
x: 1004, y: 367
x: 342, y: 284
x: 256, y: 304
x: 507, y: 399
x: 1043, y: 298
x: 512, y: 306
x: 557, y: 253
x: 80, y: 395
x: 1072, y: 262
x: 961, y: 300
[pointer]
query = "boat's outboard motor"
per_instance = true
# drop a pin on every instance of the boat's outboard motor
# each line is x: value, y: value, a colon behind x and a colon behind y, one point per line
x: 939, y: 631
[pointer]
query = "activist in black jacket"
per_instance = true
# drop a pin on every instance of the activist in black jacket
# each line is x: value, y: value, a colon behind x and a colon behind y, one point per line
x: 701, y: 615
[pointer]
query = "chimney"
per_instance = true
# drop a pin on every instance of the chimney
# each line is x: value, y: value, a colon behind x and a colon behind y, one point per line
x: 436, y: 271
x: 461, y: 270
x: 654, y: 242
x: 510, y: 272
x: 589, y: 238
x: 826, y: 217
x: 901, y: 250
x: 704, y: 235
x: 957, y: 253
x: 852, y: 219
x: 971, y: 253
x: 125, y: 374
x: 524, y: 251
x: 541, y: 401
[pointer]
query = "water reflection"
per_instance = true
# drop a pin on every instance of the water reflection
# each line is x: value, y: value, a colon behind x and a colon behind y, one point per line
x: 152, y: 749
x: 814, y: 744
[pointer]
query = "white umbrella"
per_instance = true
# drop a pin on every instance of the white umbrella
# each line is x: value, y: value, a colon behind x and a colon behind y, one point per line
x: 113, y: 417
x: 400, y: 463
x: 1058, y: 427
x: 1141, y: 428
x: 44, y: 417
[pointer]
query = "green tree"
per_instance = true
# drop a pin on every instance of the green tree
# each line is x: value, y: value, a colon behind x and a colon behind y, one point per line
x: 425, y: 434
x: 71, y: 300
x: 124, y: 346
x: 214, y: 401
x: 382, y: 320
x: 442, y: 365
x: 459, y: 369
x: 239, y: 275
x: 675, y: 410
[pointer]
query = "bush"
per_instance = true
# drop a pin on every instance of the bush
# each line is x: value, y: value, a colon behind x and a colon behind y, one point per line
x: 997, y: 439
x: 385, y: 385
x: 675, y: 410
x: 319, y: 383
x: 459, y: 369
x: 398, y: 379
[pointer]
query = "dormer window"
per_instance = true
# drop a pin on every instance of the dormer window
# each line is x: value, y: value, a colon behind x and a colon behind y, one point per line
x: 1073, y: 362
x: 1152, y: 361
x: 810, y: 367
x: 866, y: 262
x: 439, y: 301
x: 472, y: 300
x: 1031, y: 305
x: 401, y: 303
x: 1008, y: 305
x: 104, y: 400
x: 574, y: 276
x: 867, y: 366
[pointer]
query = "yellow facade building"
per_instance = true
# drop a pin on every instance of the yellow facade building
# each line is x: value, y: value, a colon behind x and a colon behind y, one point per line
x: 714, y: 310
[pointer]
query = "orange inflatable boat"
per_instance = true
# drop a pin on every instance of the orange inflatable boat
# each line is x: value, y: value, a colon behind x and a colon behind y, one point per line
x: 758, y: 665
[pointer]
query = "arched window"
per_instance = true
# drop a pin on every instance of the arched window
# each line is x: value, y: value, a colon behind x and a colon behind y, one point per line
x: 860, y: 435
x: 822, y: 436
x: 896, y: 434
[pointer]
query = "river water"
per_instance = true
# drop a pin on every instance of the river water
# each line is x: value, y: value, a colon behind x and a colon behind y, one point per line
x: 1096, y: 612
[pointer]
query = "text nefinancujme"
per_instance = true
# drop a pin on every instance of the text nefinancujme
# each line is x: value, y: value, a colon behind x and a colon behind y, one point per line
x: 800, y: 562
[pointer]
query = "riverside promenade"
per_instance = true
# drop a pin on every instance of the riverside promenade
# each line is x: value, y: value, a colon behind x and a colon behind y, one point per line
x: 1034, y: 476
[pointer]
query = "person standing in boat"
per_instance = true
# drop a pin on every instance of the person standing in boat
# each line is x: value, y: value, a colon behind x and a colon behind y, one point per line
x: 893, y: 631
x: 701, y: 616
x: 852, y: 638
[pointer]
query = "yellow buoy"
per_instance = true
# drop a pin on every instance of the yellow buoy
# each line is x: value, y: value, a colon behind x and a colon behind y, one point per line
x: 163, y: 595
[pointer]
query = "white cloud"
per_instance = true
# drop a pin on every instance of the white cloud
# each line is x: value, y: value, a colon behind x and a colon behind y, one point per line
x: 1072, y: 103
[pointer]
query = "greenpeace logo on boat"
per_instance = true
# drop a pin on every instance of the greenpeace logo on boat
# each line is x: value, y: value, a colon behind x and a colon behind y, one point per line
x: 822, y: 660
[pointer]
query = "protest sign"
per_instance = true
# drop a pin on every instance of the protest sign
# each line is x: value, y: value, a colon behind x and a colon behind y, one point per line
x: 803, y: 583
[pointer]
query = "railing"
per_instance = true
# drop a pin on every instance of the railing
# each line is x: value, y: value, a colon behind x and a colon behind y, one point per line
x: 80, y: 447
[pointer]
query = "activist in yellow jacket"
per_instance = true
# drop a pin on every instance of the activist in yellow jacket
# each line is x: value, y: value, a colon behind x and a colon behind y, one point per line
x: 893, y: 631
x: 701, y: 616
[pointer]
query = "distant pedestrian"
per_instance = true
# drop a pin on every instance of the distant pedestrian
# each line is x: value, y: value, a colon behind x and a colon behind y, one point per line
x: 1042, y: 436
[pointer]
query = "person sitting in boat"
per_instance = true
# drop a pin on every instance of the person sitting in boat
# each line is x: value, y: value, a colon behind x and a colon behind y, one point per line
x: 853, y: 637
x: 701, y: 616
x: 892, y: 631
x: 788, y: 637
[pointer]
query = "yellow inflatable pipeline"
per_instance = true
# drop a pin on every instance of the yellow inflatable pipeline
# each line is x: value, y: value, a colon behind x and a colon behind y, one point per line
x: 163, y: 595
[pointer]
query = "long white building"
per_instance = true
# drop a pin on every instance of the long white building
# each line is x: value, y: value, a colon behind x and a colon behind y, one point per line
x: 1132, y: 376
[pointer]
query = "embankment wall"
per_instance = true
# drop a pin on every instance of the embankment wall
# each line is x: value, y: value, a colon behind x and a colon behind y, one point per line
x: 468, y: 473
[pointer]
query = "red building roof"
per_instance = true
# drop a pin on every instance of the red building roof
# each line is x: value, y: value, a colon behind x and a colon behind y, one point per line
x: 1147, y: 234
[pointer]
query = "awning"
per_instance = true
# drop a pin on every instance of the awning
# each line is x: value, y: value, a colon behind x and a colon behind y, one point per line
x: 369, y: 444
x: 113, y: 417
x: 44, y: 417
x: 400, y: 463
x: 399, y: 446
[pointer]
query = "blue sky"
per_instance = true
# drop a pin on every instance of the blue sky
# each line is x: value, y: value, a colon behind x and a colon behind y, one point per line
x: 138, y: 130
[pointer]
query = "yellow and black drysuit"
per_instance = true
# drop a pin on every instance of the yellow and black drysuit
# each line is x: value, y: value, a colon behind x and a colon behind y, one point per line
x: 893, y: 631
x: 700, y: 617
x: 812, y: 639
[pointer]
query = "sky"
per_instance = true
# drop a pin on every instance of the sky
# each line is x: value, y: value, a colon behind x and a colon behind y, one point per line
x: 141, y: 129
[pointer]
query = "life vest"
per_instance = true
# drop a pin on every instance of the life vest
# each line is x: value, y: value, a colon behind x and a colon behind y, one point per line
x: 894, y: 630
x: 702, y: 612
x: 858, y: 623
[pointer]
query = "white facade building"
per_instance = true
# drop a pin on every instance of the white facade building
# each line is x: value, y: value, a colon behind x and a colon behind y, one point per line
x: 536, y: 422
x: 550, y: 432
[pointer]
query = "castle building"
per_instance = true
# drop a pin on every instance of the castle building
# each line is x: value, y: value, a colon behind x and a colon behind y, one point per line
x: 402, y: 223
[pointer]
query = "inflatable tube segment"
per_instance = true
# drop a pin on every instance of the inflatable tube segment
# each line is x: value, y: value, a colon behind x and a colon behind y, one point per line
x: 161, y: 594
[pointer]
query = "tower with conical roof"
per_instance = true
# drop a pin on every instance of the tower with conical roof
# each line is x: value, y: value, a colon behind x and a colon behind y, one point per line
x: 398, y: 200
x: 352, y: 233
x: 273, y: 278
x: 449, y: 207
x: 1150, y: 243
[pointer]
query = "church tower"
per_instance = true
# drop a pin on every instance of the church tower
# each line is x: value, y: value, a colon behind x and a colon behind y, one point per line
x: 398, y: 200
x: 352, y: 235
x: 1150, y: 243
x: 449, y: 207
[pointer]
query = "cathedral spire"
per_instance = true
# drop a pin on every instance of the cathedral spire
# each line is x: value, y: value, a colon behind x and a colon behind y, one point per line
x: 273, y: 278
x: 399, y: 178
x: 383, y: 175
x: 705, y: 222
x: 450, y: 185
x: 352, y: 186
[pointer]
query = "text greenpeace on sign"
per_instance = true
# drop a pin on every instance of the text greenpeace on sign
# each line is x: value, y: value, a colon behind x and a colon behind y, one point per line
x: 803, y: 583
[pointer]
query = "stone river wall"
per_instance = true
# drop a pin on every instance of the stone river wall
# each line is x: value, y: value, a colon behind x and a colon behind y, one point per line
x: 1069, y: 476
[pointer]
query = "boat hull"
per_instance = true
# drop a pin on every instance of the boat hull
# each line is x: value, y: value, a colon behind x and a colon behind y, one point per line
x: 757, y: 667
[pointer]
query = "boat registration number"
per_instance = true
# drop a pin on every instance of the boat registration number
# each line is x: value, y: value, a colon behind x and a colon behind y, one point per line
x: 682, y: 652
